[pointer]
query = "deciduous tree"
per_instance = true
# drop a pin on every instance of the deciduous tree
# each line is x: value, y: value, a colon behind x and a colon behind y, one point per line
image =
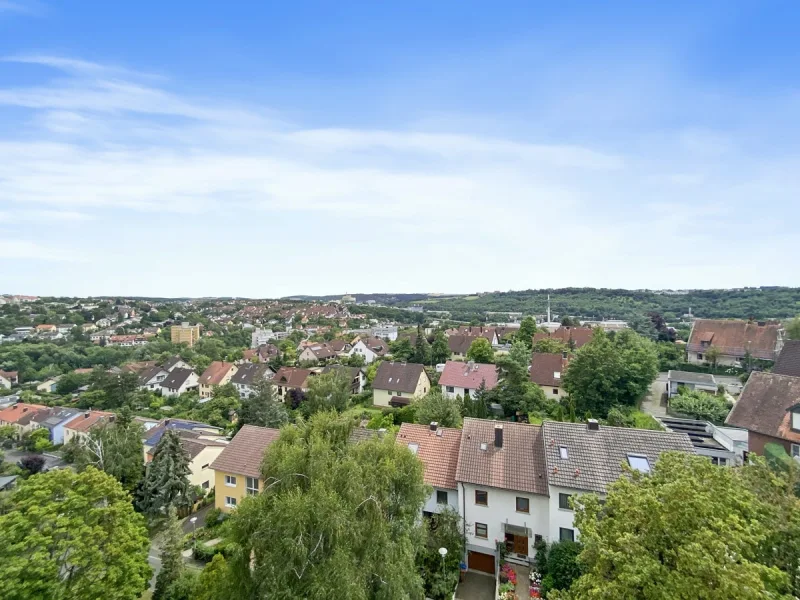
x: 481, y: 351
x: 440, y: 350
x: 607, y: 371
x: 335, y: 519
x: 793, y: 329
x: 527, y: 329
x: 520, y: 353
x: 72, y: 536
x: 262, y: 408
x: 687, y: 530
x: 435, y: 407
x: 328, y: 391
x: 422, y: 349
x: 116, y: 448
x: 712, y: 355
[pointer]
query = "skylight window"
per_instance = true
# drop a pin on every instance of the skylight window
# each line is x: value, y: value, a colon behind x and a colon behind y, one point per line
x: 639, y: 462
x: 562, y: 450
x: 413, y: 447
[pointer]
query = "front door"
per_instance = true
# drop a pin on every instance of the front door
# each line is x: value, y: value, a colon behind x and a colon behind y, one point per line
x: 521, y: 545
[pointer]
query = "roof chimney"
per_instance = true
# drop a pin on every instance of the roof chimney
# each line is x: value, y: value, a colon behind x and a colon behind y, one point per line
x: 498, y: 435
x: 86, y: 415
x: 434, y: 425
x: 593, y: 425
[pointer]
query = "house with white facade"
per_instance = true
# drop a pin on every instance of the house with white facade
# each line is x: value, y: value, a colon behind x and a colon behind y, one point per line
x: 179, y: 382
x: 358, y: 378
x: 248, y: 376
x: 385, y: 332
x: 462, y: 379
x: 8, y: 378
x: 587, y: 458
x: 705, y: 382
x: 736, y: 341
x: 503, y: 492
x: 259, y: 337
x: 370, y: 349
x: 152, y: 378
x: 176, y: 362
x: 437, y: 448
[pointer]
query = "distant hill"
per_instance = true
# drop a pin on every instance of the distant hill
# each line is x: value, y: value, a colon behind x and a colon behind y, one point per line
x: 594, y: 303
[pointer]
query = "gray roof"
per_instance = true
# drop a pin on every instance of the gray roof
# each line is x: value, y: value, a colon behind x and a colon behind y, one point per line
x: 788, y: 362
x: 55, y: 416
x: 398, y: 376
x: 148, y: 374
x: 7, y: 481
x: 691, y: 377
x: 172, y: 362
x: 177, y: 378
x: 594, y: 458
x: 250, y: 373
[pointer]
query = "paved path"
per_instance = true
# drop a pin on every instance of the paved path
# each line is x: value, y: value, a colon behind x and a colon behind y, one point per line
x: 652, y: 402
x: 476, y: 586
x: 201, y: 519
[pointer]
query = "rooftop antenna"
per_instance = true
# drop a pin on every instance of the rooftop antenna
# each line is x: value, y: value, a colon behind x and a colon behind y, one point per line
x: 548, y: 308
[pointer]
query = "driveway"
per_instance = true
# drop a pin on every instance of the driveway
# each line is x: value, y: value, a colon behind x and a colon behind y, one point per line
x: 50, y: 460
x: 652, y: 402
x: 476, y: 586
x: 201, y: 519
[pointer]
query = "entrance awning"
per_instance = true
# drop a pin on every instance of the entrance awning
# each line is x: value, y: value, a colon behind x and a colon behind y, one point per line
x: 399, y: 401
x: 516, y: 530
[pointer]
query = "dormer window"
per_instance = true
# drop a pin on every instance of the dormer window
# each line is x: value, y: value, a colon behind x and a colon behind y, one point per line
x: 639, y: 463
x: 795, y: 417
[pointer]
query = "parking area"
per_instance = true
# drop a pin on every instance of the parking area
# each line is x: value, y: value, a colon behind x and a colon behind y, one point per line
x: 476, y: 586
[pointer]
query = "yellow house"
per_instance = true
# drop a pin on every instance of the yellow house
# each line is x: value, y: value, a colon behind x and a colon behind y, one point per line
x: 185, y: 334
x: 398, y: 383
x: 237, y: 470
x: 217, y: 373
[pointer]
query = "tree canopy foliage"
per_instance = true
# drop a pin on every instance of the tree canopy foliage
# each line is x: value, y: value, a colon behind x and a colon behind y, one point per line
x: 481, y: 351
x: 690, y: 530
x: 610, y: 370
x: 335, y: 520
x: 434, y: 406
x: 701, y: 405
x: 72, y: 536
x: 328, y: 391
x: 166, y: 481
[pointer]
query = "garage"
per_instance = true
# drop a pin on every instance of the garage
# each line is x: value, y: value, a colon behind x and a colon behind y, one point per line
x: 479, y: 561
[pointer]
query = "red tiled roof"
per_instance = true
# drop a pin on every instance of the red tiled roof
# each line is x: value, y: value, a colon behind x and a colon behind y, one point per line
x: 86, y: 420
x: 468, y: 375
x: 12, y: 376
x: 735, y: 338
x: 245, y: 452
x: 438, y: 451
x: 579, y: 335
x: 215, y: 372
x: 518, y: 465
x: 763, y: 405
x: 291, y: 377
x: 459, y: 344
x: 544, y: 366
x: 19, y: 412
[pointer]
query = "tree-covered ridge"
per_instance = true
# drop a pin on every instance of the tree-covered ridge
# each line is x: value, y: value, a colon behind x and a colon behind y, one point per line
x: 600, y: 303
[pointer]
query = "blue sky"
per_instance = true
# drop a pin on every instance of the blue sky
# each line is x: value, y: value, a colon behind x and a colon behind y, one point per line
x: 268, y: 149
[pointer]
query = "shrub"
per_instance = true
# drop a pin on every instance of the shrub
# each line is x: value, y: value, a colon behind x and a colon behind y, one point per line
x: 33, y: 463
x: 213, y: 518
x: 700, y: 405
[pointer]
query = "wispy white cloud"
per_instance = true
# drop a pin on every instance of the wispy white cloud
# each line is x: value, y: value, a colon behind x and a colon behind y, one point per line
x: 26, y: 249
x: 536, y: 211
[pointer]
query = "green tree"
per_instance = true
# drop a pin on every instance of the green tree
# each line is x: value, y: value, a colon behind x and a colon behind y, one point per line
x: 481, y: 351
x: 793, y: 329
x: 72, y: 536
x: 527, y: 329
x: 712, y: 354
x: 549, y: 346
x: 37, y: 440
x: 520, y: 353
x: 606, y: 372
x: 116, y: 448
x: 166, y: 481
x: 262, y: 408
x: 172, y: 566
x: 213, y: 582
x: 401, y: 349
x: 422, y: 349
x: 335, y: 520
x: 477, y: 404
x: 441, y: 573
x: 435, y: 407
x: 440, y: 350
x: 687, y: 530
x: 701, y: 405
x: 561, y: 565
x: 70, y: 382
x: 517, y: 394
x: 328, y: 391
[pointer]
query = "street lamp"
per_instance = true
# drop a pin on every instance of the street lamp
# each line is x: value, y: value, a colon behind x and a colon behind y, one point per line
x: 443, y: 553
x: 193, y: 521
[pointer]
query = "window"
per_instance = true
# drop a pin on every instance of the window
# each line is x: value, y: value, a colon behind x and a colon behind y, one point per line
x: 481, y: 498
x: 523, y: 505
x: 414, y: 447
x: 441, y: 497
x: 205, y: 485
x: 230, y: 480
x: 566, y: 535
x: 537, y: 537
x: 562, y: 451
x: 563, y: 501
x: 639, y: 462
x: 699, y: 356
x: 450, y: 389
x: 399, y: 394
x: 481, y: 530
x: 205, y: 466
x: 230, y: 502
x: 796, y: 450
x: 555, y: 391
x: 251, y: 484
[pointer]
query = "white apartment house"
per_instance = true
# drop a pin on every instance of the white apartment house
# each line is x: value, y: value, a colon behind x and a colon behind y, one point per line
x: 515, y: 481
x: 385, y: 332
x: 437, y: 447
x: 370, y: 349
x: 259, y: 337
